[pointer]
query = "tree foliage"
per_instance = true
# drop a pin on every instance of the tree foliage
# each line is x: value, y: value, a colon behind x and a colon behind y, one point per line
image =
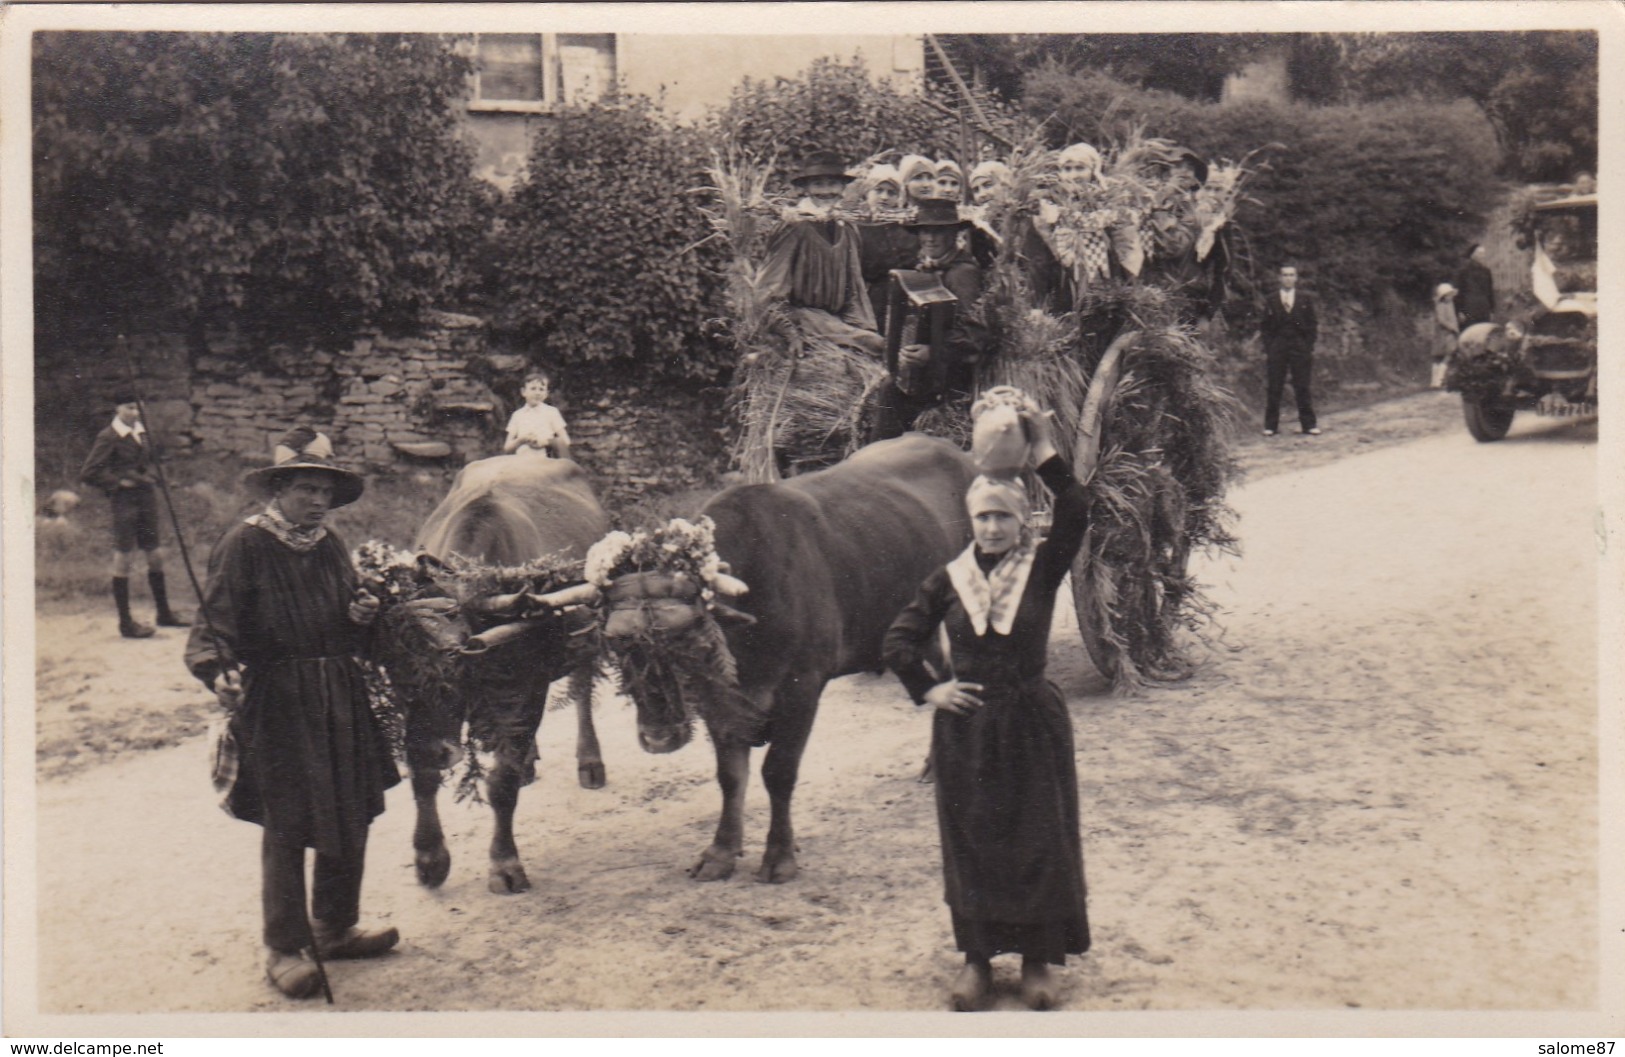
x: 601, y: 259
x: 837, y: 106
x: 1193, y: 65
x: 1539, y: 89
x: 295, y: 181
x: 1372, y: 200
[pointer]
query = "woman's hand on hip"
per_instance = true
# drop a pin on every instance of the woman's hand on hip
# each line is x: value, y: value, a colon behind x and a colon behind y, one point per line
x: 954, y: 696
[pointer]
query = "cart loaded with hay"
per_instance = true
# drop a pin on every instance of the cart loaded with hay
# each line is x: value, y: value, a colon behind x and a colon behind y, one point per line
x: 1096, y: 270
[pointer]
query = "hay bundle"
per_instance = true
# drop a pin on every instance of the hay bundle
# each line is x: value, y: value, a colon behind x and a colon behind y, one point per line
x: 802, y: 411
x: 1157, y: 491
x: 796, y: 402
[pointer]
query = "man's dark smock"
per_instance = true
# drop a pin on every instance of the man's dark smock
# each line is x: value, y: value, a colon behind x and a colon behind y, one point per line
x: 314, y: 764
x: 816, y: 265
x: 1006, y: 779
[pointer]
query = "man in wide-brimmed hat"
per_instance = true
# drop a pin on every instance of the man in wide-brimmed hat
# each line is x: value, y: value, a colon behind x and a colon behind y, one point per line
x: 929, y: 374
x: 282, y: 623
x: 813, y: 262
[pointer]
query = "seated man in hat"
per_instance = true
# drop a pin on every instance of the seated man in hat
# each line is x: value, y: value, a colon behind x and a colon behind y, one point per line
x: 282, y: 623
x: 814, y: 263
x: 930, y: 374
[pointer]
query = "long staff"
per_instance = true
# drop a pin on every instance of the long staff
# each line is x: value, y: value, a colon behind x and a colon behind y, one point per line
x: 226, y: 664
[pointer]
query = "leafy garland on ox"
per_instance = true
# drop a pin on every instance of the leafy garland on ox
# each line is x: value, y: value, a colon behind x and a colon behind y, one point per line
x: 669, y: 650
x: 408, y: 669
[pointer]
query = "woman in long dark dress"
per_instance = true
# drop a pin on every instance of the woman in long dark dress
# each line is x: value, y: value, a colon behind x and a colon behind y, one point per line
x: 1001, y: 738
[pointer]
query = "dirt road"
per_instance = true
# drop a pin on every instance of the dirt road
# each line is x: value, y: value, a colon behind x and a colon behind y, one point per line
x: 1378, y: 793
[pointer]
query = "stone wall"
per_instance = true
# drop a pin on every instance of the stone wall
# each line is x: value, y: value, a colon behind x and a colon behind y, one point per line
x: 436, y: 398
x: 380, y: 399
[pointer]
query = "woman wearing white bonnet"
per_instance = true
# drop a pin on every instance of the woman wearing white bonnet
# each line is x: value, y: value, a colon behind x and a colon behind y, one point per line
x: 1079, y: 164
x: 950, y: 180
x: 1001, y: 737
x: 986, y: 179
x: 919, y: 176
x: 885, y: 243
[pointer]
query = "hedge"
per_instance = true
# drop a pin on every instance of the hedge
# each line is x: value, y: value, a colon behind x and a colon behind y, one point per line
x: 603, y: 261
x: 280, y: 179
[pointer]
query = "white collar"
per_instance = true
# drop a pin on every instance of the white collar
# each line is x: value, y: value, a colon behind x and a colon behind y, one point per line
x: 990, y: 599
x: 122, y: 430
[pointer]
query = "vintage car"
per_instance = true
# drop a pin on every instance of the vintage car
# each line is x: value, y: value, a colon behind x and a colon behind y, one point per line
x: 1548, y: 362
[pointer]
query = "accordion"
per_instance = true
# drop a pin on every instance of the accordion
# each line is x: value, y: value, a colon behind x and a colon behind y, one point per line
x: 920, y: 311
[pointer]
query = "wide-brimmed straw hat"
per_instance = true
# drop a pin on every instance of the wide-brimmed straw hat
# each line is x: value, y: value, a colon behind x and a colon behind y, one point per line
x: 822, y: 163
x: 302, y: 448
x: 1444, y: 290
x: 936, y: 213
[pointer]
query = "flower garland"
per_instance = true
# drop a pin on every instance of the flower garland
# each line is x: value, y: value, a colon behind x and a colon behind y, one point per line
x: 389, y: 573
x: 679, y: 546
x: 406, y: 669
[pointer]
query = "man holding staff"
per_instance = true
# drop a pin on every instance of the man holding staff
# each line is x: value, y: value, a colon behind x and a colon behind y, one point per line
x: 282, y: 623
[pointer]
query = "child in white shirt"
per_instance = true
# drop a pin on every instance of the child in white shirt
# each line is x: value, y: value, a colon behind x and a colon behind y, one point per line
x: 537, y: 426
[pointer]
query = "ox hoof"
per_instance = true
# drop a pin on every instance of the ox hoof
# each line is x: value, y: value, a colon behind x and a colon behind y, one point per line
x: 713, y: 867
x: 778, y: 871
x: 591, y: 775
x: 433, y: 866
x: 508, y: 879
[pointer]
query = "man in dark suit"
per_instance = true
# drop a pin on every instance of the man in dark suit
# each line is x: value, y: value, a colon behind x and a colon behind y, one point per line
x: 1476, y: 302
x: 1288, y: 331
x: 120, y: 464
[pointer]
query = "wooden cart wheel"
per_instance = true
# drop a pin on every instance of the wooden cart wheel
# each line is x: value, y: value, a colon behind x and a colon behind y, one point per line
x: 1093, y: 589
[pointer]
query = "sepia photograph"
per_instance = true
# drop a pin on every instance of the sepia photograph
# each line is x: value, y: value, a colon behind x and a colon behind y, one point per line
x: 811, y: 520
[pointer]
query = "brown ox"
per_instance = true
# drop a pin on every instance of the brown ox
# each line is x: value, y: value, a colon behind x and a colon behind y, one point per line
x: 506, y: 510
x: 829, y: 558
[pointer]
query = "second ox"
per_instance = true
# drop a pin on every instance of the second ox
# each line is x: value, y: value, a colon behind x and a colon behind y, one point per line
x: 503, y: 511
x: 829, y: 559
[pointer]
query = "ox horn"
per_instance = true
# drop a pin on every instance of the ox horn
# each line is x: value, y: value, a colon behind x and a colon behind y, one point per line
x: 497, y: 603
x: 497, y: 636
x: 732, y: 586
x: 577, y: 595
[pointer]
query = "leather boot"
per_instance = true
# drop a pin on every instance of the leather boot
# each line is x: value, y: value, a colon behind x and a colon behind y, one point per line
x: 167, y: 618
x: 126, y: 624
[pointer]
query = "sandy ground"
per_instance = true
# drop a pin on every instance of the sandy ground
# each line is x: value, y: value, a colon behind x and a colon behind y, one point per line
x: 1378, y: 792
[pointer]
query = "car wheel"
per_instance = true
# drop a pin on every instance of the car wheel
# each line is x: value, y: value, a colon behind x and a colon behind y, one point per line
x: 1487, y: 419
